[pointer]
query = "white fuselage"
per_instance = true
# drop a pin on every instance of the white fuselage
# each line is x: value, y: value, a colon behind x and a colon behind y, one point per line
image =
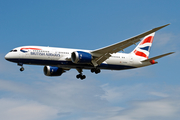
x: 61, y: 57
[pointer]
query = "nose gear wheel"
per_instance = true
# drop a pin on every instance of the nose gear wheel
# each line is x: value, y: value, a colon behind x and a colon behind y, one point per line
x: 22, y: 69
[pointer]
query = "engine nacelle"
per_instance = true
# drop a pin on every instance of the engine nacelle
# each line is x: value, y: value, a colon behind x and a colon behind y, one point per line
x: 81, y: 57
x: 52, y: 71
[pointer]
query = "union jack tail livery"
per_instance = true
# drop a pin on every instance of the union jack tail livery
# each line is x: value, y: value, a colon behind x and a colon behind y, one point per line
x: 143, y: 48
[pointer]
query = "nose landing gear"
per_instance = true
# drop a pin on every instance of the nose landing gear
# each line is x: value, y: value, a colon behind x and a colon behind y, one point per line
x: 22, y: 68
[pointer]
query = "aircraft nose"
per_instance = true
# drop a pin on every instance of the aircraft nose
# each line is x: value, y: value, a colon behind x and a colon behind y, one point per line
x: 7, y: 56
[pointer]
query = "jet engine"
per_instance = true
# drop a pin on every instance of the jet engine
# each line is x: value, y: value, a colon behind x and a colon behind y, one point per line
x: 81, y: 57
x: 52, y: 71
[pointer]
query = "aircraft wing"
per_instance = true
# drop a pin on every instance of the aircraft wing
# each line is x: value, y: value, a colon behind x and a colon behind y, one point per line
x: 104, y: 53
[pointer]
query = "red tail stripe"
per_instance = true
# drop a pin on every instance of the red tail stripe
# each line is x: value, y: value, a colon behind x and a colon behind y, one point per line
x: 138, y: 53
x: 147, y: 40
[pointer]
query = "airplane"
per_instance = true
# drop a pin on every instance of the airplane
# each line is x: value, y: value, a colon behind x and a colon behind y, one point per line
x: 57, y: 61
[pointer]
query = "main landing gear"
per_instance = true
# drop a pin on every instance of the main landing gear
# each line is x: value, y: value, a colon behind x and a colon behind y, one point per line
x: 80, y: 75
x: 22, y: 68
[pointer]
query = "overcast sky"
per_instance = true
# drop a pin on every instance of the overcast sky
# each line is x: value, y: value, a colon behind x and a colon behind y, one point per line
x: 140, y: 94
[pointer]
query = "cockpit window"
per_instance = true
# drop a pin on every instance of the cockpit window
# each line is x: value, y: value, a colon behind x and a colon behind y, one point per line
x: 13, y: 51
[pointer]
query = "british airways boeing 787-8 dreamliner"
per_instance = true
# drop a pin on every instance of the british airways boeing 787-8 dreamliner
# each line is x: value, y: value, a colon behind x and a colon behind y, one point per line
x: 56, y: 61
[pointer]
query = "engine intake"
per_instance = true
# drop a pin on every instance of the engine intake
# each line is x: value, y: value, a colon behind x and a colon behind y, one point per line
x: 52, y: 71
x: 81, y: 57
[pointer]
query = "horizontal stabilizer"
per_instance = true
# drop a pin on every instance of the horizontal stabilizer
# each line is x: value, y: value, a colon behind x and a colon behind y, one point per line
x: 157, y: 57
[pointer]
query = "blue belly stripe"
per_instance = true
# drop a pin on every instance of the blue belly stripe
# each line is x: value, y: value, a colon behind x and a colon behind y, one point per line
x: 69, y: 64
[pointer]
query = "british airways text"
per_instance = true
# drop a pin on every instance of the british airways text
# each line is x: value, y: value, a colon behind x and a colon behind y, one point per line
x: 45, y: 54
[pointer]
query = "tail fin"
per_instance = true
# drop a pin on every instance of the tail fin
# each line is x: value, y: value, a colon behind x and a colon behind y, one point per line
x: 143, y: 48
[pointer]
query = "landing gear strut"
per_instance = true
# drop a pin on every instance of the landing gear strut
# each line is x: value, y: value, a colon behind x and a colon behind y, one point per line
x: 22, y: 68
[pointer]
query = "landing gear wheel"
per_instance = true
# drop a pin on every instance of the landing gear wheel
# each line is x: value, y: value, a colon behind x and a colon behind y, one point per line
x: 21, y: 69
x: 95, y: 70
x: 83, y: 77
x: 80, y: 76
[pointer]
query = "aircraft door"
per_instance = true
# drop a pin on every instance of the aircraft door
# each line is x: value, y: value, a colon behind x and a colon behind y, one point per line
x: 130, y: 59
